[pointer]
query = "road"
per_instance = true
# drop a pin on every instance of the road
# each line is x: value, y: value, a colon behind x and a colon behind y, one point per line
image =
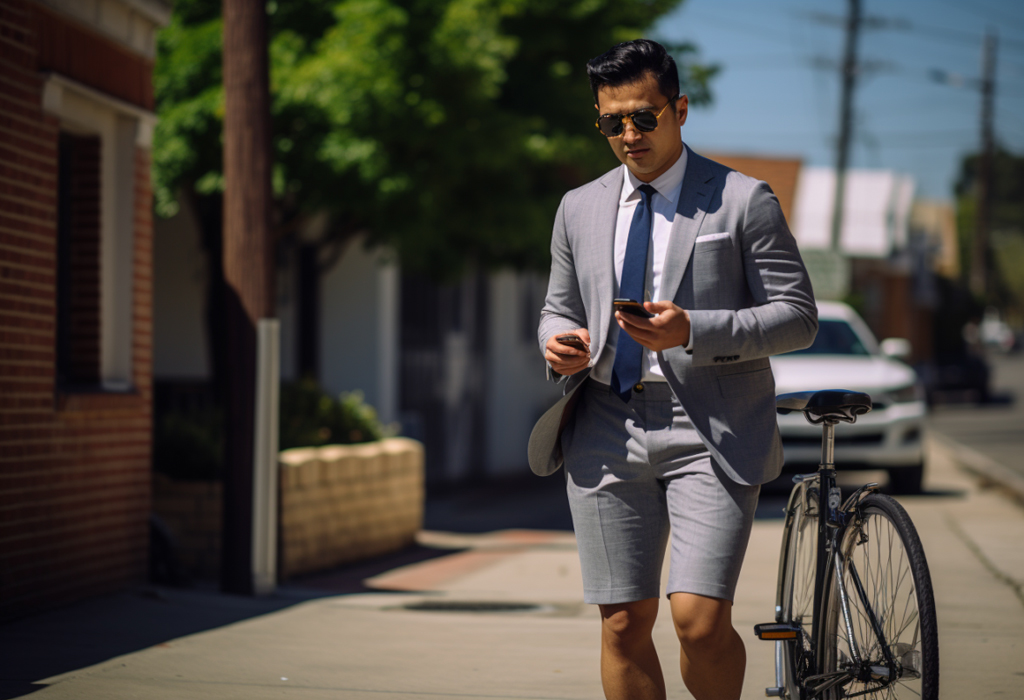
x: 996, y: 430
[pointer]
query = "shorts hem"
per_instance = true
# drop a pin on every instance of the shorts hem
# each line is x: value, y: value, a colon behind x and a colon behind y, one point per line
x: 612, y: 596
x: 708, y: 590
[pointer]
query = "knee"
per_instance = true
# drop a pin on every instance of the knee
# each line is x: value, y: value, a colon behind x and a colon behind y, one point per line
x: 702, y: 624
x: 626, y: 624
x: 702, y: 632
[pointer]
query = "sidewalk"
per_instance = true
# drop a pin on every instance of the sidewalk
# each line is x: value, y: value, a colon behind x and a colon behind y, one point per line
x: 369, y: 645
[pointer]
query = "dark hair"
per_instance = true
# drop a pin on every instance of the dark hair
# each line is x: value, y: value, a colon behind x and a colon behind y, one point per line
x: 629, y: 62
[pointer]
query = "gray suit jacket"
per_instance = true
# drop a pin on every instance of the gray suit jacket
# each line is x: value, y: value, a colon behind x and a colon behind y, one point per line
x: 748, y: 295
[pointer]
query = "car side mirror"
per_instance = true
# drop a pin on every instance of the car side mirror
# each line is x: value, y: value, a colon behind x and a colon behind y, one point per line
x: 898, y: 348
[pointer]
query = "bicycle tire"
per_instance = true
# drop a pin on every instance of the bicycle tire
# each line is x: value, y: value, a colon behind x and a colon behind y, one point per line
x: 796, y: 584
x: 883, y: 547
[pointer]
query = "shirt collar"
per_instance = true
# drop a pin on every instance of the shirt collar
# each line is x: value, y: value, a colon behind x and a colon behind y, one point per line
x: 668, y: 184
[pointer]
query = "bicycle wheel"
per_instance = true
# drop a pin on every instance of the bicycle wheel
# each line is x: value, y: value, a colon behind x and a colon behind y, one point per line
x: 884, y: 551
x: 799, y: 557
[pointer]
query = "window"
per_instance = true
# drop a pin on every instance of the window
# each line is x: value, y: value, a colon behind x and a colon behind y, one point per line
x: 78, y: 262
x: 96, y: 233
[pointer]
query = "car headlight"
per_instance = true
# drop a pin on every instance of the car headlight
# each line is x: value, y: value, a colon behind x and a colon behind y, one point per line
x: 907, y: 394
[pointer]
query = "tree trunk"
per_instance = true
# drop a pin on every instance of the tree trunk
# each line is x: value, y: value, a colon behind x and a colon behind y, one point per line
x: 248, y: 266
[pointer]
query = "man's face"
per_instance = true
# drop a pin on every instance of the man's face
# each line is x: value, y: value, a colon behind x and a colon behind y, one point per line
x: 646, y: 154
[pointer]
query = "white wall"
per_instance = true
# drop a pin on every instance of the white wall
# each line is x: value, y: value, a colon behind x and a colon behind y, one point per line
x: 517, y: 392
x: 359, y: 328
x: 179, y: 298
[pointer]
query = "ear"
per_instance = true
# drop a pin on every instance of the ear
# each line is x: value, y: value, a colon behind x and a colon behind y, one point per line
x: 682, y: 109
x: 597, y: 108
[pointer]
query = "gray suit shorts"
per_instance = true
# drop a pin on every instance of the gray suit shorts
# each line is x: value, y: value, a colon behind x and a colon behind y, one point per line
x: 637, y: 474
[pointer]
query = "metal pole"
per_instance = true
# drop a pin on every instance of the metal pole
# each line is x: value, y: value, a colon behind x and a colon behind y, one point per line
x: 265, y: 477
x: 980, y: 282
x: 848, y: 73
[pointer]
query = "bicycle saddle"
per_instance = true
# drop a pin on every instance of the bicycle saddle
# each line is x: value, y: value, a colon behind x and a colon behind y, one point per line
x: 827, y: 405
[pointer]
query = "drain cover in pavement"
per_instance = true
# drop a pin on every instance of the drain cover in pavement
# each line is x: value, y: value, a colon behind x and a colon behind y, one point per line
x: 473, y: 606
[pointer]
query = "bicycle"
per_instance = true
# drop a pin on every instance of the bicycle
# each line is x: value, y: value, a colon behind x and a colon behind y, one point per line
x: 854, y: 612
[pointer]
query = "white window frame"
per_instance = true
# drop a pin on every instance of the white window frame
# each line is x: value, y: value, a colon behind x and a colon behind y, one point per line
x: 121, y: 128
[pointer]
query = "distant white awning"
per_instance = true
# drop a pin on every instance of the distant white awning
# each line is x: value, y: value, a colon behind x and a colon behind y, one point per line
x: 876, y: 211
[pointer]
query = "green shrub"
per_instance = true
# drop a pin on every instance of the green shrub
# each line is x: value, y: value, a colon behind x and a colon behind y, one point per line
x: 310, y: 417
x: 189, y: 445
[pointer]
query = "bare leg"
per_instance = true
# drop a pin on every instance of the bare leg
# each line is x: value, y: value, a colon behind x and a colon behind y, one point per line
x: 712, y: 658
x: 629, y: 663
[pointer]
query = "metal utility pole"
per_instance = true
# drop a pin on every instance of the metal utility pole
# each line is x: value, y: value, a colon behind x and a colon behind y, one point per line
x: 979, y: 276
x: 248, y: 272
x: 848, y: 74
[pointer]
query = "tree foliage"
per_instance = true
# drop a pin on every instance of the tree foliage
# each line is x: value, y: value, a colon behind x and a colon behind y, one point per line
x: 1007, y: 223
x: 446, y: 128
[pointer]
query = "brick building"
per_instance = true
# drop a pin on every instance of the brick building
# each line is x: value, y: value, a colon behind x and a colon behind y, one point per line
x: 76, y: 123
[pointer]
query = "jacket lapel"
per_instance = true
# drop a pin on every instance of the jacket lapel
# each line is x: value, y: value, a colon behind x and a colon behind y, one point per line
x: 698, y: 186
x: 605, y: 214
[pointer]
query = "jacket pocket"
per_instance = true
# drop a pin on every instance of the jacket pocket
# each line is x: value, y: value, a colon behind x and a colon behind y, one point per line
x: 745, y: 383
x: 713, y: 244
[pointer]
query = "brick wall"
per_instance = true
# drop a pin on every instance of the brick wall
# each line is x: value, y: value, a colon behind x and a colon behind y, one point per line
x: 343, y: 503
x: 338, y: 504
x: 781, y: 174
x: 74, y: 468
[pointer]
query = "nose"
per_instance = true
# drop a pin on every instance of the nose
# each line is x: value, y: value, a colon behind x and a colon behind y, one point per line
x: 630, y: 133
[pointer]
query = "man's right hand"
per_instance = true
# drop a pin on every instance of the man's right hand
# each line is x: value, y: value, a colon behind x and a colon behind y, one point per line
x: 564, y: 359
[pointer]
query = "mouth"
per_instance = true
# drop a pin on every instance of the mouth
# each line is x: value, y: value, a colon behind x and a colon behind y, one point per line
x: 637, y: 152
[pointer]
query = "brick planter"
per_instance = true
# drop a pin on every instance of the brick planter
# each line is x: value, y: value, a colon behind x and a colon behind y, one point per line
x: 343, y: 503
x: 339, y: 504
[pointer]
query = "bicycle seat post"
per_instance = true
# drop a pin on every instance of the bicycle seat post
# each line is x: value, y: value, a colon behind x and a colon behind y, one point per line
x: 828, y: 445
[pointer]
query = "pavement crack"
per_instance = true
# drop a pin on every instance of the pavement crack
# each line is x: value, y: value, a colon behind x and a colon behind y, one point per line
x: 1014, y: 585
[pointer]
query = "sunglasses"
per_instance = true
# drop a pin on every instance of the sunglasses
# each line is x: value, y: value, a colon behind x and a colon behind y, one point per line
x: 643, y: 120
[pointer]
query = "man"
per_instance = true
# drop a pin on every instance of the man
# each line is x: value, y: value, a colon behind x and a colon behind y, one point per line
x: 667, y: 427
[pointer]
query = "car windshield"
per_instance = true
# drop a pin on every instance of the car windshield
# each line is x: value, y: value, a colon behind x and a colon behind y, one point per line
x: 834, y: 338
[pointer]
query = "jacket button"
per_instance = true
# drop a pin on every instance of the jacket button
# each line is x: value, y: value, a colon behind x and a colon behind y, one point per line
x: 639, y: 388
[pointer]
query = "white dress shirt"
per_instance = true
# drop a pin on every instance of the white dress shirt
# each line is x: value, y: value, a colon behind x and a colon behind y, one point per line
x: 668, y: 187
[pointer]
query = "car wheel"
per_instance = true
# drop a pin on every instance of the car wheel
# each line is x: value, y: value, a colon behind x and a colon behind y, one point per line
x: 906, y: 480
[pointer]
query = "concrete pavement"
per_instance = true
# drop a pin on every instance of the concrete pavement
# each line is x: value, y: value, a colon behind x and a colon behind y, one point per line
x: 369, y: 645
x: 990, y: 436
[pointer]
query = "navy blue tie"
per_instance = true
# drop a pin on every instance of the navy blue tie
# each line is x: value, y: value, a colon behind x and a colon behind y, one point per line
x: 628, y: 366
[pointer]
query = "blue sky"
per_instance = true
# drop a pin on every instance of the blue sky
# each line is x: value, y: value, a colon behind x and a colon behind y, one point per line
x: 770, y: 99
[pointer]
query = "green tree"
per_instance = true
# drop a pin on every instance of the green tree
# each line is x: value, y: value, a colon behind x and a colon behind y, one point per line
x: 1007, y: 235
x: 446, y: 128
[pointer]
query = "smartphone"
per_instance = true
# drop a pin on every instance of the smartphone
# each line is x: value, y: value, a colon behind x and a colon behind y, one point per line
x: 631, y: 306
x: 573, y: 341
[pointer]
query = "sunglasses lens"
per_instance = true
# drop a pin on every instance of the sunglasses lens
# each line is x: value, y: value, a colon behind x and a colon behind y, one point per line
x: 645, y: 121
x: 610, y: 126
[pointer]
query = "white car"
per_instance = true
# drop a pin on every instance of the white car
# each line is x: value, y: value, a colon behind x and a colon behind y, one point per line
x: 845, y: 355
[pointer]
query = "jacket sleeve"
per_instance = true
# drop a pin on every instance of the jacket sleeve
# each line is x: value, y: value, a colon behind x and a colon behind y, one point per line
x: 783, y: 316
x: 563, y: 306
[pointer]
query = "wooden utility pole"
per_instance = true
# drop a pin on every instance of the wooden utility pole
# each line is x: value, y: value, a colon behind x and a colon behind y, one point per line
x: 980, y: 277
x: 248, y: 267
x: 848, y: 73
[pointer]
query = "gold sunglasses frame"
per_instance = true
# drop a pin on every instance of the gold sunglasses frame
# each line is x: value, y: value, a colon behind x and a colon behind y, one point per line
x: 624, y: 117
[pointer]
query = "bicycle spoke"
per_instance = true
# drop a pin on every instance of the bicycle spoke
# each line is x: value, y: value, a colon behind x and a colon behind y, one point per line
x: 875, y: 549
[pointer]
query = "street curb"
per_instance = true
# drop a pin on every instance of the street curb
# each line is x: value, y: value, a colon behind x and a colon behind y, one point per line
x: 976, y: 463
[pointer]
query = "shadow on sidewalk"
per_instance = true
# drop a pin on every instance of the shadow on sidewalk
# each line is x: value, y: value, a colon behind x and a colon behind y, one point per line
x: 92, y: 631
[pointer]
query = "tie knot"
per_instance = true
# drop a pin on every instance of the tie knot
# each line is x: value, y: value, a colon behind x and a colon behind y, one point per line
x: 647, y: 191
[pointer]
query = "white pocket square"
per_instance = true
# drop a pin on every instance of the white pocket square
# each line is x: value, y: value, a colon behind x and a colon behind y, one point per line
x: 712, y: 237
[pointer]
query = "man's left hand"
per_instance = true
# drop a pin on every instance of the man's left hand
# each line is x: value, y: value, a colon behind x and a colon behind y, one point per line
x: 669, y: 328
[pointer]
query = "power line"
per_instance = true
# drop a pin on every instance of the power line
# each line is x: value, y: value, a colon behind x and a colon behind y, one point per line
x: 1003, y: 21
x: 741, y: 27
